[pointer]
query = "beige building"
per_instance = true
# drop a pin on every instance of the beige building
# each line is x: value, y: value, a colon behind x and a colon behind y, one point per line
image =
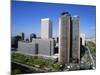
x: 69, y: 39
x: 46, y: 28
x: 64, y: 38
x: 75, y: 39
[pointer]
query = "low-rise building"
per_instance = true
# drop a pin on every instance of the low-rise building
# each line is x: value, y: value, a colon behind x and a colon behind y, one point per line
x: 37, y: 46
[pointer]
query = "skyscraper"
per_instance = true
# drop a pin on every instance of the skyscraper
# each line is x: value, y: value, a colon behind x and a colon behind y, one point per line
x: 46, y: 28
x: 64, y: 38
x: 75, y: 39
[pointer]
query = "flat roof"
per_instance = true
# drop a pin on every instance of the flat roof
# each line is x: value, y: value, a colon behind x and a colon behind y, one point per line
x: 45, y: 19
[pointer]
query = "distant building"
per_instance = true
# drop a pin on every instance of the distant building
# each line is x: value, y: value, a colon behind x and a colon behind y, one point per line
x: 57, y: 40
x: 82, y: 39
x: 91, y: 39
x: 37, y: 46
x: 75, y: 39
x: 64, y: 38
x: 26, y: 40
x: 32, y: 36
x: 14, y: 41
x: 46, y: 28
x: 22, y: 36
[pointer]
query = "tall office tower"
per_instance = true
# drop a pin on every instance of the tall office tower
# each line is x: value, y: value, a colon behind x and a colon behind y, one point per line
x: 75, y: 39
x: 32, y: 36
x: 22, y: 35
x: 64, y: 38
x: 46, y: 28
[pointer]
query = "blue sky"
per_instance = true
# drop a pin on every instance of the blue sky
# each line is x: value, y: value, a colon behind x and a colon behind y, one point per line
x: 26, y: 17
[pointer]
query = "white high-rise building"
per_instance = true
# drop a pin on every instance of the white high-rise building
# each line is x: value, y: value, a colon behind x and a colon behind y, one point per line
x: 46, y: 28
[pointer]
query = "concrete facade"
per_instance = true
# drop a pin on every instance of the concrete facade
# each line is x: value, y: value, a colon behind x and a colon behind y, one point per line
x: 45, y: 46
x: 22, y: 36
x: 69, y: 39
x: 26, y: 47
x: 75, y: 39
x: 46, y: 28
x: 37, y: 46
x: 64, y: 38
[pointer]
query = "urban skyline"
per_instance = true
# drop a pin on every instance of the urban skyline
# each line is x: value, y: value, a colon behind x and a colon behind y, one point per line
x: 29, y: 22
x: 56, y: 40
x: 70, y: 52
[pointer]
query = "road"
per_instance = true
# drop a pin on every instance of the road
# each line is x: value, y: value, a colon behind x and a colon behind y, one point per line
x: 93, y: 59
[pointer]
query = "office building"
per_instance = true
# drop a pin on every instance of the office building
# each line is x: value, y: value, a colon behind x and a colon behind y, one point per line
x: 46, y: 28
x: 45, y: 46
x: 26, y: 47
x: 64, y: 38
x: 75, y: 50
x: 37, y: 46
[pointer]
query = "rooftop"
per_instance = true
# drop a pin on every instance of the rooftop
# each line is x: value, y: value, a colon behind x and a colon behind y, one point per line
x: 45, y: 19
